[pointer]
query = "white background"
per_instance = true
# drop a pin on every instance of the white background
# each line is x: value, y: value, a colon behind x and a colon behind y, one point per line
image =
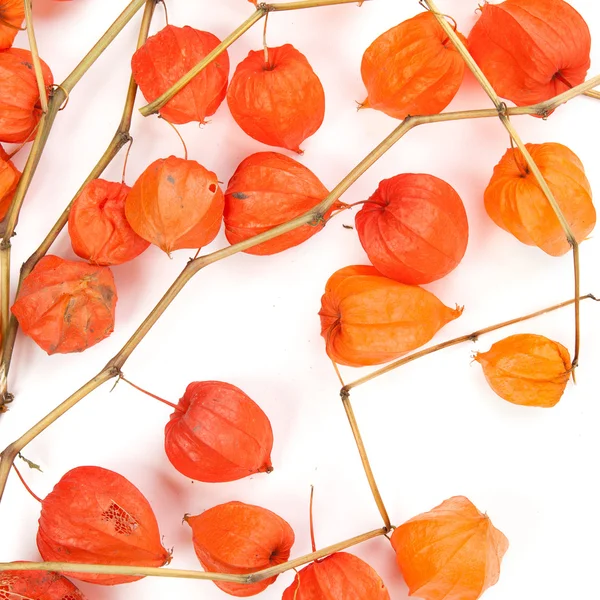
x: 433, y: 429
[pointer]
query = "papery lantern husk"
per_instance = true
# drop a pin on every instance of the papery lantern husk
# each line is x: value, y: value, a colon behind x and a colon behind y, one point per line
x: 341, y: 576
x: 452, y: 552
x: 12, y: 14
x: 527, y: 369
x: 37, y: 585
x: 98, y: 228
x: 241, y: 538
x: 414, y: 228
x: 368, y: 319
x: 9, y: 179
x: 279, y: 103
x: 531, y: 50
x: 166, y: 57
x: 515, y: 201
x: 266, y: 190
x: 412, y: 69
x: 20, y: 109
x: 176, y: 203
x: 218, y: 434
x: 66, y: 306
x: 96, y: 516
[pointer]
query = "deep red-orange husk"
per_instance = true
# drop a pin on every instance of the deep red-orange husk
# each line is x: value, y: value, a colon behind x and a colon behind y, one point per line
x: 218, y: 434
x: 531, y: 50
x: 266, y: 190
x: 37, y: 585
x: 66, y: 306
x: 414, y: 228
x: 12, y: 14
x: 96, y: 516
x: 341, y: 576
x: 20, y: 109
x: 280, y: 103
x: 98, y: 228
x: 9, y: 178
x: 241, y: 538
x: 166, y: 57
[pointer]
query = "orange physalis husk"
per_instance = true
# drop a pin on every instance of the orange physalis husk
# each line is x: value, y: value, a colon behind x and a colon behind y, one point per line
x: 176, y: 203
x: 96, y: 516
x: 20, y: 108
x: 37, y: 585
x: 268, y: 189
x: 218, y: 434
x: 280, y: 103
x: 517, y: 204
x: 414, y: 228
x: 368, y: 319
x: 12, y: 14
x: 452, y: 552
x: 9, y: 178
x: 341, y: 576
x: 412, y: 69
x: 241, y: 538
x: 531, y: 50
x: 66, y: 306
x: 527, y: 369
x: 98, y: 228
x: 166, y: 57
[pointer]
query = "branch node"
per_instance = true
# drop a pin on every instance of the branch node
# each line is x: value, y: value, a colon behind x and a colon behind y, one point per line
x: 345, y: 393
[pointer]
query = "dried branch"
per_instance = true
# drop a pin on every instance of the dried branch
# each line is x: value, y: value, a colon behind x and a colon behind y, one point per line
x: 261, y: 10
x: 314, y: 216
x: 504, y: 118
x: 63, y: 567
x: 121, y: 137
x: 35, y: 56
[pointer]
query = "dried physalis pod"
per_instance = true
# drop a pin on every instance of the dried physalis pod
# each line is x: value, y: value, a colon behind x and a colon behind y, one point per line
x: 266, y: 190
x: 98, y: 228
x: 20, y: 109
x: 341, y: 576
x: 412, y: 69
x: 12, y: 14
x: 515, y: 201
x: 531, y: 50
x: 66, y: 306
x: 166, y: 57
x: 368, y: 319
x: 218, y: 433
x: 414, y: 228
x: 176, y: 203
x: 240, y: 538
x: 527, y: 369
x: 96, y: 516
x: 9, y: 178
x: 37, y: 585
x: 451, y: 552
x: 279, y: 101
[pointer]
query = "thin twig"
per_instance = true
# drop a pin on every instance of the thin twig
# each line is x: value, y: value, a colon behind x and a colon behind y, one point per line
x: 365, y: 460
x: 471, y: 337
x: 29, y: 490
x: 504, y: 118
x: 141, y: 389
x: 262, y: 9
x: 35, y: 57
x: 120, y: 138
x: 115, y: 365
x: 311, y: 521
x: 65, y: 567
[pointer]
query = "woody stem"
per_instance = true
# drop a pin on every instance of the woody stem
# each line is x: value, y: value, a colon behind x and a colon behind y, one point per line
x: 262, y: 10
x: 120, y: 138
x: 504, y: 118
x: 35, y: 57
x: 62, y: 567
x: 471, y: 337
x: 365, y: 459
x: 114, y: 366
